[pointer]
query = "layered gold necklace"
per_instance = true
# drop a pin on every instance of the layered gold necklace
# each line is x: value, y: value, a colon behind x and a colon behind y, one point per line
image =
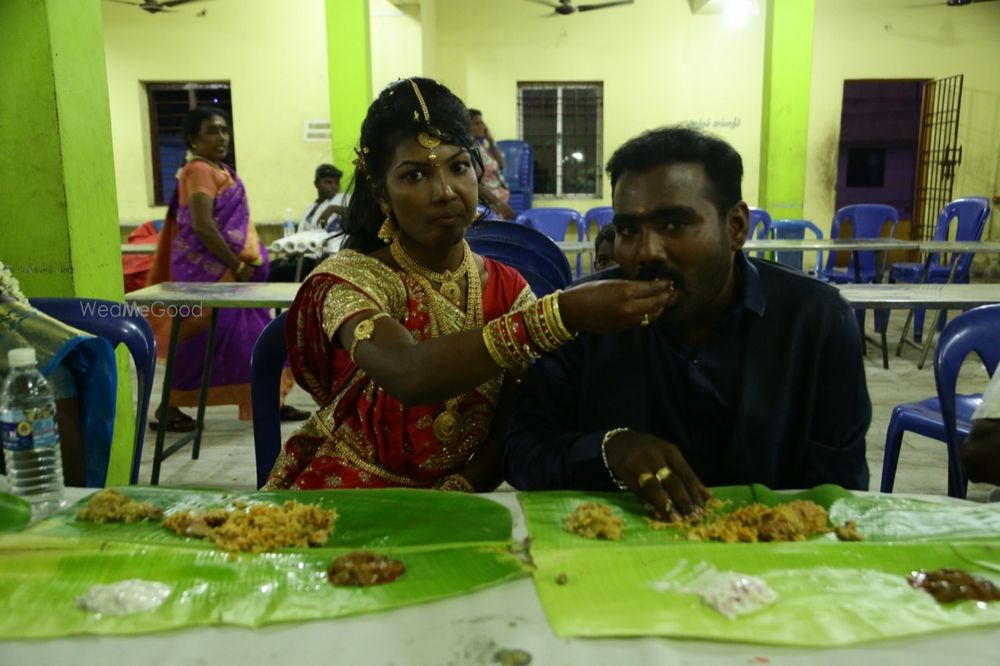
x: 448, y: 423
x: 448, y: 280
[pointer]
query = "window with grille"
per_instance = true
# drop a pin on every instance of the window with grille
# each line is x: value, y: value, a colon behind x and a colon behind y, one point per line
x: 562, y: 122
x: 168, y: 102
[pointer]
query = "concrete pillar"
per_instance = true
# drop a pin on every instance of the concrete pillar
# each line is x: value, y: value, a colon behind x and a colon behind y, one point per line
x: 785, y: 118
x: 59, y: 230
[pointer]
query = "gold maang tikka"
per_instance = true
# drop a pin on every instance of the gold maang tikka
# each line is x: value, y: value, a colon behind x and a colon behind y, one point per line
x: 387, y: 233
x: 425, y: 139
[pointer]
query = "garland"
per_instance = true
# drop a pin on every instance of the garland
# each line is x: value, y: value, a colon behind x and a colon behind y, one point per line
x: 9, y: 286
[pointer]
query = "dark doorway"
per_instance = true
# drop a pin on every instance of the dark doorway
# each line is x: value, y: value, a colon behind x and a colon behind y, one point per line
x: 879, y: 139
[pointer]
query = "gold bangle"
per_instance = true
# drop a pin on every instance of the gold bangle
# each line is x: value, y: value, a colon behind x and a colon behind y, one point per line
x: 557, y: 317
x: 364, y: 331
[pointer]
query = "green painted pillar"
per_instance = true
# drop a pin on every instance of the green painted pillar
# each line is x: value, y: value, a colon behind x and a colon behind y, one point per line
x: 350, y: 66
x: 785, y: 118
x: 58, y: 210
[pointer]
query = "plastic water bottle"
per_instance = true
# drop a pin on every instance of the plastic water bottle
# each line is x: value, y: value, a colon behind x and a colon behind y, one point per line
x: 289, y: 222
x: 30, y: 438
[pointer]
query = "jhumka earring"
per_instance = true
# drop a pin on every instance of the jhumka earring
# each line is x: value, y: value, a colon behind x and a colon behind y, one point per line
x: 387, y: 232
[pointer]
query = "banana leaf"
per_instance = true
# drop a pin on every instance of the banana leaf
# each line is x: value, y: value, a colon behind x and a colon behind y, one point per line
x: 450, y: 543
x: 878, y: 518
x: 829, y: 592
x: 15, y: 513
x: 366, y: 518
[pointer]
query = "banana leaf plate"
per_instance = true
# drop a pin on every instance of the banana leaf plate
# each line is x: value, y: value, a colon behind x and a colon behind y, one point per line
x: 828, y: 592
x: 450, y: 543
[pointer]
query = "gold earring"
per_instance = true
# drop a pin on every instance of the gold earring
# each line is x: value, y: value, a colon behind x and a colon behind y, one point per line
x: 387, y: 232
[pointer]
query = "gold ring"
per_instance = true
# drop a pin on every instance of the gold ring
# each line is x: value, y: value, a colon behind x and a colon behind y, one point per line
x: 645, y: 320
x: 643, y: 478
x: 662, y: 473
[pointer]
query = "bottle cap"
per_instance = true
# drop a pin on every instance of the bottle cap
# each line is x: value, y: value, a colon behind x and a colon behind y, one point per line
x: 21, y: 357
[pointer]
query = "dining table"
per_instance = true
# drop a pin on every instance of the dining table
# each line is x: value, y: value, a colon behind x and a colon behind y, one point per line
x: 175, y: 299
x: 502, y: 624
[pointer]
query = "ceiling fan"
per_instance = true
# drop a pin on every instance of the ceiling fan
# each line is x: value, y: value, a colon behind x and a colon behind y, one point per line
x: 154, y: 7
x: 566, y: 7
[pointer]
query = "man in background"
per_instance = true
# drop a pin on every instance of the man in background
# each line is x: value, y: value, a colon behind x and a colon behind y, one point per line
x: 323, y: 214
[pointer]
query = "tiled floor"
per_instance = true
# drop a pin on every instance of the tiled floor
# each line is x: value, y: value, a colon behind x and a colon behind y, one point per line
x: 227, y: 456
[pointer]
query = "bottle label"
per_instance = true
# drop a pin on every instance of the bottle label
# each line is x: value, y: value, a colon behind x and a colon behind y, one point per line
x: 25, y: 430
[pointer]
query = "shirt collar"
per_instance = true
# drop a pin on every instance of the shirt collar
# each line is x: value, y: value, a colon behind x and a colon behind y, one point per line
x: 751, y: 298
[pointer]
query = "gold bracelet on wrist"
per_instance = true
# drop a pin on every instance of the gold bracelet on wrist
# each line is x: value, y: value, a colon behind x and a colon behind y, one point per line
x: 604, y: 457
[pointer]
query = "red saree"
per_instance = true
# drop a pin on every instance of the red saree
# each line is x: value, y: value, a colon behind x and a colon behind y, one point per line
x: 362, y: 437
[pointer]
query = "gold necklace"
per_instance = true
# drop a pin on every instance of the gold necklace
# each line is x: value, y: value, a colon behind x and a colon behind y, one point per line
x: 448, y: 423
x: 450, y: 288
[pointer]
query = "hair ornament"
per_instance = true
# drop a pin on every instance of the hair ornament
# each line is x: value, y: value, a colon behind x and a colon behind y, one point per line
x: 423, y: 104
x: 359, y: 162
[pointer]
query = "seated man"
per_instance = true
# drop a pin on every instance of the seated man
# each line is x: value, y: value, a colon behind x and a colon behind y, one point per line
x: 752, y: 374
x: 981, y: 455
x: 323, y: 214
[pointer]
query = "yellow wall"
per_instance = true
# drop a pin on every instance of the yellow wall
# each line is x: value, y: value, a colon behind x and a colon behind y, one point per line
x: 659, y: 64
x: 889, y: 39
x: 273, y: 54
x: 398, y: 44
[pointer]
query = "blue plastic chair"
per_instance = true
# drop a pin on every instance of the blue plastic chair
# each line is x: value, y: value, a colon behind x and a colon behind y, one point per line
x: 868, y: 221
x: 132, y: 330
x: 526, y: 237
x: 760, y: 224
x: 554, y: 223
x: 602, y: 216
x: 971, y: 214
x: 947, y: 417
x: 266, y: 363
x: 795, y: 229
x: 542, y: 276
x: 519, y: 172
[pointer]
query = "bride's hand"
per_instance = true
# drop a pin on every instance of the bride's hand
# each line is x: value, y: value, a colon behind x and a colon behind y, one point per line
x: 612, y: 305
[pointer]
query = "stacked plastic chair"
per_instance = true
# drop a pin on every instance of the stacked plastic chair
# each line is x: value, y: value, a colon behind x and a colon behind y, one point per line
x: 760, y: 226
x: 519, y: 172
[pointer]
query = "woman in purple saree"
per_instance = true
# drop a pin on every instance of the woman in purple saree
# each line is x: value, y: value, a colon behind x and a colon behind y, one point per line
x: 210, y: 238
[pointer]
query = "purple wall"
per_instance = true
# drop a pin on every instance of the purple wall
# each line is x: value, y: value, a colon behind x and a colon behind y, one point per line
x: 879, y: 126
